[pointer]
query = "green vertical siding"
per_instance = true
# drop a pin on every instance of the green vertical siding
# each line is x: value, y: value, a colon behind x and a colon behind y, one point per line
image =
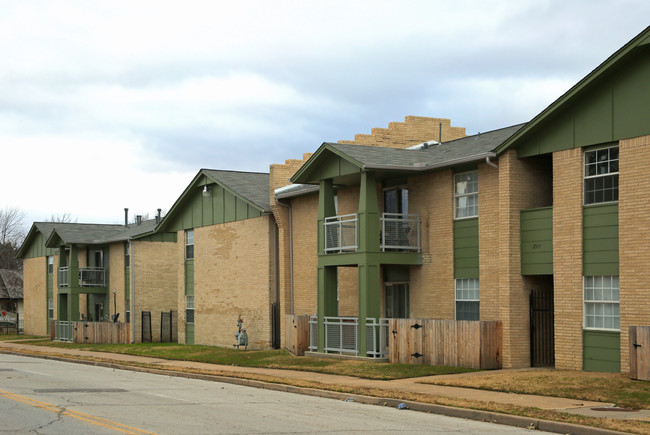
x: 49, y: 294
x: 37, y: 247
x: 612, y: 108
x: 189, y: 277
x: 537, y: 241
x: 189, y: 333
x: 601, y: 351
x: 600, y: 240
x: 466, y: 248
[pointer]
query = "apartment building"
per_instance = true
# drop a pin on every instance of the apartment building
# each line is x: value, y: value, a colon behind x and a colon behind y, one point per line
x: 536, y: 225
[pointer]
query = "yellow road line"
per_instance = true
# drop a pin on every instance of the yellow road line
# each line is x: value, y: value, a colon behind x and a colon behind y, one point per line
x: 99, y: 421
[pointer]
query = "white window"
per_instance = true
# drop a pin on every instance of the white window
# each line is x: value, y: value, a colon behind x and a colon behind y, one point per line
x: 602, y: 303
x: 601, y: 175
x: 50, y: 264
x: 466, y: 195
x: 467, y: 299
x: 189, y: 244
x: 189, y: 309
x: 50, y: 309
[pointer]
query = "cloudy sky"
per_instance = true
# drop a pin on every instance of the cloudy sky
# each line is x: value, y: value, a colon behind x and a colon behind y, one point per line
x: 113, y: 104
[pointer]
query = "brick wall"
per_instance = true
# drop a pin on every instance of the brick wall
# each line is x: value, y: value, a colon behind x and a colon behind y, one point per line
x: 116, y: 280
x: 634, y: 233
x: 305, y: 257
x: 348, y: 277
x: 414, y: 130
x: 232, y: 276
x: 522, y: 183
x: 432, y: 284
x: 35, y: 293
x: 567, y: 257
x: 156, y: 286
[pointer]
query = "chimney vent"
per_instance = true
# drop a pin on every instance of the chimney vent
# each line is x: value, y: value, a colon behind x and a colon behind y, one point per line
x: 126, y: 217
x: 158, y: 216
x: 138, y: 219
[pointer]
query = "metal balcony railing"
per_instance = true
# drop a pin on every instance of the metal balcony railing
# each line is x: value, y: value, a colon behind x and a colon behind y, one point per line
x: 63, y: 330
x: 341, y: 336
x: 64, y: 277
x: 92, y: 277
x: 400, y: 232
x: 341, y: 233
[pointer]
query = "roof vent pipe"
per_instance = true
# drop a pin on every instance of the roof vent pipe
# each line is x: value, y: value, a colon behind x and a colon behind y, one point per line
x: 126, y: 217
x: 440, y: 133
x: 138, y: 219
x: 158, y: 216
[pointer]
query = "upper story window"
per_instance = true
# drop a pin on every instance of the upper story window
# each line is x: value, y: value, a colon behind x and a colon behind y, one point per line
x: 50, y: 264
x: 189, y: 244
x: 601, y: 175
x: 466, y: 195
x: 468, y: 299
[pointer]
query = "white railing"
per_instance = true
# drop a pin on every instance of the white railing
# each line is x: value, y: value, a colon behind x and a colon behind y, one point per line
x: 341, y: 336
x: 64, y: 277
x: 63, y: 330
x: 92, y: 277
x: 377, y: 338
x: 400, y: 232
x: 341, y: 233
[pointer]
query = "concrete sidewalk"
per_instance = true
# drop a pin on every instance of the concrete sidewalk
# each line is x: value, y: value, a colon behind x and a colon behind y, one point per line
x: 310, y: 382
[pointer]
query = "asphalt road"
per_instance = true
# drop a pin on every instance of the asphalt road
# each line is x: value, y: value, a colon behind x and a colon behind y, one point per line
x: 51, y: 397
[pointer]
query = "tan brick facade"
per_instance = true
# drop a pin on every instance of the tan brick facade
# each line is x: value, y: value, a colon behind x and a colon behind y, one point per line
x: 35, y: 295
x: 432, y: 284
x: 634, y: 233
x: 414, y: 130
x: 567, y: 257
x: 233, y: 274
x: 156, y: 286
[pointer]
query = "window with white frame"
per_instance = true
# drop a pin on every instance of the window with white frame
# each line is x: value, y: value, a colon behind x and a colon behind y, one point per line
x: 50, y: 309
x: 189, y: 309
x: 50, y: 264
x: 602, y: 303
x: 466, y: 195
x: 601, y: 175
x: 189, y: 244
x: 467, y: 299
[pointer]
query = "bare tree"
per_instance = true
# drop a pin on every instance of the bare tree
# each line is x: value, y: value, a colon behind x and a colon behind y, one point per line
x: 62, y: 218
x: 12, y: 225
x: 12, y: 233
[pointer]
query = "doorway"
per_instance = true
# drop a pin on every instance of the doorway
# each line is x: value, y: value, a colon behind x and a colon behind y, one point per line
x: 542, y: 331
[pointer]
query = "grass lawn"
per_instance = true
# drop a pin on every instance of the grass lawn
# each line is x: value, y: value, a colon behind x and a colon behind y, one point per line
x: 617, y: 388
x: 278, y: 359
x: 12, y: 336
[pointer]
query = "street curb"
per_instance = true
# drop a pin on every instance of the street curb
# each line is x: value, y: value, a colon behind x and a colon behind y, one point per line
x: 469, y: 414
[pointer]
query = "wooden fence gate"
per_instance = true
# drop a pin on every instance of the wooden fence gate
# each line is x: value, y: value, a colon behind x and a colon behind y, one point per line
x: 640, y: 352
x: 456, y: 343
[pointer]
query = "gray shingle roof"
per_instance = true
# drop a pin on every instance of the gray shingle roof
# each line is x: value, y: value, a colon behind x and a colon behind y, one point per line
x: 443, y: 154
x: 252, y: 186
x: 76, y: 233
x: 11, y: 284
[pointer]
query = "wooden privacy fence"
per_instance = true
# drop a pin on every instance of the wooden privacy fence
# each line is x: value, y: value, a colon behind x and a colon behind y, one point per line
x: 640, y: 352
x: 296, y: 335
x: 101, y: 332
x: 456, y: 343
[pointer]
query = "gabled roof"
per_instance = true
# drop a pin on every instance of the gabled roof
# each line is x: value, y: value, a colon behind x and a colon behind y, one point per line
x: 465, y: 150
x: 250, y: 186
x: 641, y: 39
x: 82, y: 234
x: 11, y: 284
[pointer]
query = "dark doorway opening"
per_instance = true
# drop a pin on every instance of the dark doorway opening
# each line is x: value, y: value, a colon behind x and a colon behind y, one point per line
x: 542, y: 331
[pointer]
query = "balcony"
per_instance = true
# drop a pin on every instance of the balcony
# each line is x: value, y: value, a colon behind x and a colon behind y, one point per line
x: 92, y: 277
x: 341, y: 233
x: 400, y: 232
x: 88, y: 277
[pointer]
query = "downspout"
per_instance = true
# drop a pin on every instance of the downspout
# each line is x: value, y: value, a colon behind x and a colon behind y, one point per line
x: 132, y: 277
x: 487, y: 160
x: 288, y: 206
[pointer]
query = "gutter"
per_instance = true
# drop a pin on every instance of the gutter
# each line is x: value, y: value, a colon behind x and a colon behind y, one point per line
x: 288, y: 206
